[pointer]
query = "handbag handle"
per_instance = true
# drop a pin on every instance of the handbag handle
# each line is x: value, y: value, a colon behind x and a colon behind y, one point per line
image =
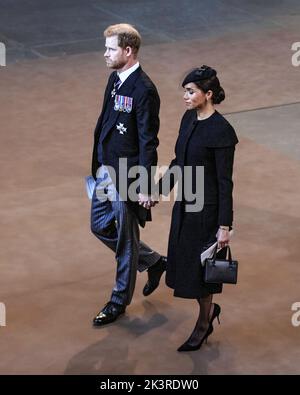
x: 228, y: 250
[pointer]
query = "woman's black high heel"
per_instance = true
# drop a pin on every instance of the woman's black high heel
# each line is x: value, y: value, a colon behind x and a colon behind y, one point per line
x: 215, y: 314
x: 188, y: 347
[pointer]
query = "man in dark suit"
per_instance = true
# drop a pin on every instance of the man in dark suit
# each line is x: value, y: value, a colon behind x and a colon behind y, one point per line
x: 125, y: 137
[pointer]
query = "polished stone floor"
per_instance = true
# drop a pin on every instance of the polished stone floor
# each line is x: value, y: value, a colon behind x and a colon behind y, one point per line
x: 55, y: 275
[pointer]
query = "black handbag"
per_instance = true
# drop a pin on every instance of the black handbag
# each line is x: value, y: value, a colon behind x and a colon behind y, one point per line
x: 218, y: 270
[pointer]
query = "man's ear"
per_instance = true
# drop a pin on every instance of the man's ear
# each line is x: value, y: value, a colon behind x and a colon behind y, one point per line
x: 128, y: 51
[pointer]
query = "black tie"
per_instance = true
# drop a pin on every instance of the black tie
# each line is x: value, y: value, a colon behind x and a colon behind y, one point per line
x: 117, y: 84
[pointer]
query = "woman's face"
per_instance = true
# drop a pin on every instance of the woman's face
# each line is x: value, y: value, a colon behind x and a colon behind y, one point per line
x: 194, y: 97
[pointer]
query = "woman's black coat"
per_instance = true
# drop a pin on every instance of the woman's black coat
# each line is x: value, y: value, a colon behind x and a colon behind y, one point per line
x: 209, y: 143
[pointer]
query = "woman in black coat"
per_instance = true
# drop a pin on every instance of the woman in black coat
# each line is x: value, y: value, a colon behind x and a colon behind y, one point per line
x: 205, y: 139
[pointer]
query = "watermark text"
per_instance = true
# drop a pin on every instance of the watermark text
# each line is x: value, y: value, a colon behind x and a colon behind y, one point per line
x: 2, y: 314
x: 2, y: 54
x: 296, y: 316
x: 296, y: 55
x: 131, y: 181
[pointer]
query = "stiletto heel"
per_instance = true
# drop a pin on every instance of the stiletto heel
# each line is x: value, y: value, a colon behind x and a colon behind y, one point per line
x: 215, y: 314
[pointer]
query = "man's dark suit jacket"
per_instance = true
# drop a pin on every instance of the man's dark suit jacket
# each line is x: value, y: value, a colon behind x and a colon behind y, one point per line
x: 139, y: 142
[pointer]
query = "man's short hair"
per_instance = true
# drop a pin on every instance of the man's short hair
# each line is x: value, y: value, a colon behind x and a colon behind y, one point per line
x: 128, y: 36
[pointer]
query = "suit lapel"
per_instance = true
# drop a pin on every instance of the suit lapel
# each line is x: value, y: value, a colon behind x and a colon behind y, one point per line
x: 126, y: 89
x: 108, y: 91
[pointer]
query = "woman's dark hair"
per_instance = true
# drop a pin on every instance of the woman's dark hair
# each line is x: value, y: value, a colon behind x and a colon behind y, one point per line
x: 206, y: 79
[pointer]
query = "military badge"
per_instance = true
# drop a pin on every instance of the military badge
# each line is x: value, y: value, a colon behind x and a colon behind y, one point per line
x: 121, y: 128
x: 116, y: 87
x: 123, y: 103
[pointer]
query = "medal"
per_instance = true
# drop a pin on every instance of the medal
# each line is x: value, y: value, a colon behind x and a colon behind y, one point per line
x: 123, y: 103
x: 115, y: 88
x: 128, y: 105
x: 117, y: 103
x: 121, y: 128
x: 122, y: 99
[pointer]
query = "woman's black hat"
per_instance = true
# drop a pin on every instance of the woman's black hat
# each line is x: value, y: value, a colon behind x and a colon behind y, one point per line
x: 199, y: 74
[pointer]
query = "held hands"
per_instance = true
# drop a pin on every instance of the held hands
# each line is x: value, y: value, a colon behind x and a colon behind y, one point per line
x: 147, y: 201
x: 223, y: 236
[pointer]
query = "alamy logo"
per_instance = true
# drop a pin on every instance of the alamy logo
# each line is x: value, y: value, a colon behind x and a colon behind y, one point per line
x: 2, y: 54
x: 296, y: 316
x: 2, y: 314
x: 191, y: 191
x: 296, y: 56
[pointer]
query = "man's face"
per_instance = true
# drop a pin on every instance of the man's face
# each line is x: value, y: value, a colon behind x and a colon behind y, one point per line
x: 114, y: 55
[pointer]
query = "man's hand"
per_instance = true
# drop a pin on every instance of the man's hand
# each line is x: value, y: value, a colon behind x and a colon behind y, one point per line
x: 147, y: 201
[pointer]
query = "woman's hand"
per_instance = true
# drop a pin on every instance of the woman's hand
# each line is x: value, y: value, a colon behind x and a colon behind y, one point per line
x: 223, y: 237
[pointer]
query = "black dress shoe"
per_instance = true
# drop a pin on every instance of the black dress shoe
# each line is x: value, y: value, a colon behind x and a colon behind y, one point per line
x: 154, y: 274
x: 108, y: 314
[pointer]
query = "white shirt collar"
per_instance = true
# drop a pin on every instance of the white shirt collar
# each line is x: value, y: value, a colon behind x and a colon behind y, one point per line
x: 125, y: 74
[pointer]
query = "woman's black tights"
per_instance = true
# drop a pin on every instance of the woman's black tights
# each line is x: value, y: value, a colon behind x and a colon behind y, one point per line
x: 202, y: 324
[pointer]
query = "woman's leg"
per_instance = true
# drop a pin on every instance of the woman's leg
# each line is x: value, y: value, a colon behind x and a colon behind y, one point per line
x: 202, y: 323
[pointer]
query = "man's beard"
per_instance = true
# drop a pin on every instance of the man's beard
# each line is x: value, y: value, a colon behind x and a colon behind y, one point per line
x: 117, y: 65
